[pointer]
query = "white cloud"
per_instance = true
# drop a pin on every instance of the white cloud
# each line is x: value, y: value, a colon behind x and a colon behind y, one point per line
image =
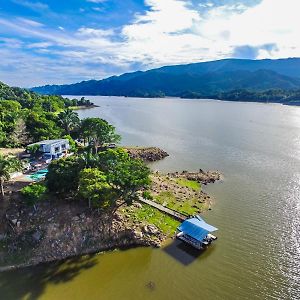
x: 40, y: 45
x: 172, y: 31
x: 36, y: 6
x: 169, y: 32
x: 268, y: 22
x: 30, y: 22
x: 91, y: 32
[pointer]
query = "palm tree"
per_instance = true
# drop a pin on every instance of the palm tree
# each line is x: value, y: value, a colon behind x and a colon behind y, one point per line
x: 68, y: 120
x: 8, y: 165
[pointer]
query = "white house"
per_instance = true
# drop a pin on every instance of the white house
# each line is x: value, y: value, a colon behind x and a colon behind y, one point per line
x: 53, y: 148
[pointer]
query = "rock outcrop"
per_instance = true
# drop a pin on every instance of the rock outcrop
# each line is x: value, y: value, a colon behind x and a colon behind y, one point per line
x: 201, y: 176
x: 148, y: 154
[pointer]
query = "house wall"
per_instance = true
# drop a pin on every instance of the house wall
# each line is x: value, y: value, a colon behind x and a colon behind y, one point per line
x: 50, y: 148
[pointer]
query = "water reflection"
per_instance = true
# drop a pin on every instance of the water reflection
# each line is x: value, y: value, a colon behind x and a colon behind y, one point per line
x: 32, y: 282
x: 184, y: 253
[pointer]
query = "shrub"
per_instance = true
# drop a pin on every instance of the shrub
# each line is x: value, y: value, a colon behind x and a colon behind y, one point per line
x: 34, y: 193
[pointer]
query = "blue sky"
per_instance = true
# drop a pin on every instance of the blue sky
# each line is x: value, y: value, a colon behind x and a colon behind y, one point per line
x: 47, y: 42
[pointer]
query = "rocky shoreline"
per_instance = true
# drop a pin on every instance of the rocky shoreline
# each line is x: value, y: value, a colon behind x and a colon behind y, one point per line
x: 60, y: 230
x: 147, y: 154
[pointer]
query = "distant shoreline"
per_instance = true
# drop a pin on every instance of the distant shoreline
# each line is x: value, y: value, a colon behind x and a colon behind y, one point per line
x: 83, y: 107
x: 182, y: 98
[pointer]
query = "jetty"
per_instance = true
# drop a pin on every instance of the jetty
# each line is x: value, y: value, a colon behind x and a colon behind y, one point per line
x: 173, y: 213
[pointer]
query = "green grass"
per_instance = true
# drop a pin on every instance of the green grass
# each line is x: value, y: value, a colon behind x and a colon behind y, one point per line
x: 153, y: 216
x: 194, y: 185
x: 72, y: 108
x: 165, y: 198
x: 191, y: 206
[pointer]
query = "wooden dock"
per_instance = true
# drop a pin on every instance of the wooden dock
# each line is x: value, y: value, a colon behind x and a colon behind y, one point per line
x: 173, y: 213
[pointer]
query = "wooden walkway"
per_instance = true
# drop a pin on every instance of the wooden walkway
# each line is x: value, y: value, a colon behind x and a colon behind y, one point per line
x: 173, y: 213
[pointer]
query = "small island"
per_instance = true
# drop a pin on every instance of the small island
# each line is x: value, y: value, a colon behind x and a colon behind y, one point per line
x: 68, y: 189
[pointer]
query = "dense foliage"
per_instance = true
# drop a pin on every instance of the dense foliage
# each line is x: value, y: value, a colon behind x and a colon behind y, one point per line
x: 69, y: 120
x: 32, y: 100
x: 94, y: 187
x: 289, y: 97
x: 28, y: 117
x: 97, y: 132
x: 63, y: 175
x: 102, y: 179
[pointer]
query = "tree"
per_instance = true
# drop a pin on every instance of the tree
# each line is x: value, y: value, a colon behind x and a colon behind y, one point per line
x: 8, y: 165
x: 125, y: 175
x: 63, y: 175
x: 34, y: 150
x: 97, y: 132
x: 69, y: 120
x: 34, y: 193
x: 94, y: 187
x: 10, y: 117
x: 72, y: 143
x: 42, y: 126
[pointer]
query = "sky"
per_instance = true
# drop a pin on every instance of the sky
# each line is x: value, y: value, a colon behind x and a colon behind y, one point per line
x: 67, y: 41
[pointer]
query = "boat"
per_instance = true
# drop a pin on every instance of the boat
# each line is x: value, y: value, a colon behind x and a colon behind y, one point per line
x: 196, y: 232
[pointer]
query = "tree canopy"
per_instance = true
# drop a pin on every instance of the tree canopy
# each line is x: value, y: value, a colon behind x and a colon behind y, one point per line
x: 69, y: 120
x: 94, y: 187
x: 97, y: 132
x: 63, y: 175
x: 109, y: 178
x: 27, y: 117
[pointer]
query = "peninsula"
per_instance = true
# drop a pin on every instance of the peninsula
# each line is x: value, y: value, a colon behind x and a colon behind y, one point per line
x: 68, y: 189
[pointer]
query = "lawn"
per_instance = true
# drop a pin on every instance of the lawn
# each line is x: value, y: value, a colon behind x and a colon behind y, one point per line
x: 194, y: 185
x: 190, y: 207
x: 153, y: 216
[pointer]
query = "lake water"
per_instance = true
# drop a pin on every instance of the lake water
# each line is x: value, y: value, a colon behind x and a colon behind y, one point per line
x: 256, y: 208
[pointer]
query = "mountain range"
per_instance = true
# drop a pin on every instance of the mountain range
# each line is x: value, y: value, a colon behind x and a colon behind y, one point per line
x: 205, y: 79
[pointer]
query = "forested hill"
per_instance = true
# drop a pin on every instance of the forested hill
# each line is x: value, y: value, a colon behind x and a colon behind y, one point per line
x: 203, y: 79
x: 30, y: 99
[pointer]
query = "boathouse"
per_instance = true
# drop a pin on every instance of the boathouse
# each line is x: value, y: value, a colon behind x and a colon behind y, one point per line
x: 196, y: 232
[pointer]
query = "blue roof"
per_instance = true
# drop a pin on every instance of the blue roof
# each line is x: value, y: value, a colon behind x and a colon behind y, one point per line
x: 197, y: 228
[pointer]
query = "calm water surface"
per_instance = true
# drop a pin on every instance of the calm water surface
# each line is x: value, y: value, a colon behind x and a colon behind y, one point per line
x: 257, y: 208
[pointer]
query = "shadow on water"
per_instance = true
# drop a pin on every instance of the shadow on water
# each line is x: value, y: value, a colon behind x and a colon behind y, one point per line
x: 31, y: 282
x: 185, y: 254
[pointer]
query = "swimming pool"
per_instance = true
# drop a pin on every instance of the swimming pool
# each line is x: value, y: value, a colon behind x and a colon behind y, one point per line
x: 38, y: 175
